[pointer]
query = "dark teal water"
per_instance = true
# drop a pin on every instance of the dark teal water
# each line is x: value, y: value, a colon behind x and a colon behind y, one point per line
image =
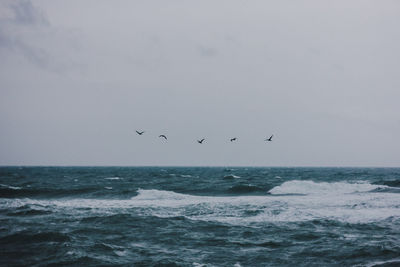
x: 122, y: 216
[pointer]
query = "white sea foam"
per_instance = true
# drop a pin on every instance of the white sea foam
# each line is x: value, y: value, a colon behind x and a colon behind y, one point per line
x: 345, y: 202
x: 156, y: 195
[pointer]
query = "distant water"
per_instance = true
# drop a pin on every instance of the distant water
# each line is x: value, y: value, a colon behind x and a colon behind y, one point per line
x: 93, y: 216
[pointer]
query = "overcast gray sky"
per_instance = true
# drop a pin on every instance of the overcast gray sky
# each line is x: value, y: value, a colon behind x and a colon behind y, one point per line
x: 77, y: 78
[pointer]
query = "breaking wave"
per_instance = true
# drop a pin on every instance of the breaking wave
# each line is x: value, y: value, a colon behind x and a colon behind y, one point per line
x: 290, y: 202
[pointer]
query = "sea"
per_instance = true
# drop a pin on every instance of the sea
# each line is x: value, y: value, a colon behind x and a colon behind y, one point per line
x: 199, y: 216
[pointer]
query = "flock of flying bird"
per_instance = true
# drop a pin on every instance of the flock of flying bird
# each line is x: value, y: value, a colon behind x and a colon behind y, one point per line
x: 202, y: 140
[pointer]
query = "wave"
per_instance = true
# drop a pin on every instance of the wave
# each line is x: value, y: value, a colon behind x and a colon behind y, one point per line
x: 313, y: 188
x: 284, y: 204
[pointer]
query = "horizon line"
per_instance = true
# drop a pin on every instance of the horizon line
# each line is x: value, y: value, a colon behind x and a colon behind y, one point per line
x: 199, y: 166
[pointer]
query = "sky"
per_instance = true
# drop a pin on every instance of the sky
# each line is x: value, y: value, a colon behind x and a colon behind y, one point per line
x: 78, y: 78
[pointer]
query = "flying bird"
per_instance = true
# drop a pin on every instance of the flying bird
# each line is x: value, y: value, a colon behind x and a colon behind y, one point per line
x: 163, y: 136
x: 269, y: 139
x: 139, y: 133
x: 200, y: 141
x: 233, y: 139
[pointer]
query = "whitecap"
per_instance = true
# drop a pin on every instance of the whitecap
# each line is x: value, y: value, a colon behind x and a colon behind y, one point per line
x: 120, y: 253
x: 113, y: 178
x: 11, y: 187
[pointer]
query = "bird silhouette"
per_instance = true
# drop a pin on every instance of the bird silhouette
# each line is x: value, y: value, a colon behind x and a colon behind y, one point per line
x: 269, y: 139
x: 200, y: 141
x: 163, y: 136
x: 139, y: 133
x: 233, y: 139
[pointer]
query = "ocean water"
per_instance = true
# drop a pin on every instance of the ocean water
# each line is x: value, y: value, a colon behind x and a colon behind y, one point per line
x: 167, y: 216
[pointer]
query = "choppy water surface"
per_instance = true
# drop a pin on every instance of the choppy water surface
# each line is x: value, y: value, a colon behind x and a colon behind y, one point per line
x: 123, y: 216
